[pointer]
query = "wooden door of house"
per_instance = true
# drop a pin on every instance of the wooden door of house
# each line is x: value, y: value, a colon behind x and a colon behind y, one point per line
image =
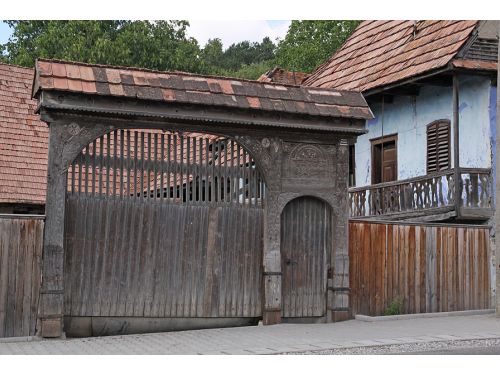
x: 306, y: 242
x: 384, y: 159
x: 163, y: 225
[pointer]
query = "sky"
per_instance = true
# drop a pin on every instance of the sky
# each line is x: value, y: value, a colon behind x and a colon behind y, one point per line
x: 4, y: 33
x: 228, y: 31
x: 236, y: 31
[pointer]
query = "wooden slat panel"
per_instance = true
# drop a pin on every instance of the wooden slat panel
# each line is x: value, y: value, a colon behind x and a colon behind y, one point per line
x: 159, y: 259
x: 432, y: 268
x: 20, y: 266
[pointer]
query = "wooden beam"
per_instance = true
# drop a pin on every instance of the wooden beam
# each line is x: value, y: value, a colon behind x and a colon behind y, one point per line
x: 456, y: 143
x: 497, y: 189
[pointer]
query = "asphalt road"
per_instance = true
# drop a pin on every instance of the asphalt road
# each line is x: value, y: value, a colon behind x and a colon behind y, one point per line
x: 492, y: 350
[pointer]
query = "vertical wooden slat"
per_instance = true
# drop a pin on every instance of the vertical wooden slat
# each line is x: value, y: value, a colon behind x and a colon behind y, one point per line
x: 122, y: 150
x: 148, y: 168
x: 87, y: 162
x: 176, y: 162
x: 108, y: 163
x: 169, y: 163
x: 200, y: 168
x: 101, y: 163
x: 128, y: 164
x: 136, y: 150
x: 115, y: 161
x: 162, y: 165
x: 141, y: 163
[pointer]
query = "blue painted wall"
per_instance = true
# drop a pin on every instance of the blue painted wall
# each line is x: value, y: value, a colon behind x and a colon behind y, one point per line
x: 408, y: 117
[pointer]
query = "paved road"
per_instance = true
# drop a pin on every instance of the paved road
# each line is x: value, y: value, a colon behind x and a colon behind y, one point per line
x: 489, y: 350
x: 283, y: 338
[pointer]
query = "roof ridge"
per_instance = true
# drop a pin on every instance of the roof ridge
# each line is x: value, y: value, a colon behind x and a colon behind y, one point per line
x: 179, y: 73
x: 17, y: 66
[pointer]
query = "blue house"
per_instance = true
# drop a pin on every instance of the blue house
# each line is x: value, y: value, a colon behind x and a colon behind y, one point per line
x: 429, y: 152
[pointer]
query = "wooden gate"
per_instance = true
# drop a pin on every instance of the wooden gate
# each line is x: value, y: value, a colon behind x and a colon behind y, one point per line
x: 163, y: 225
x: 306, y: 242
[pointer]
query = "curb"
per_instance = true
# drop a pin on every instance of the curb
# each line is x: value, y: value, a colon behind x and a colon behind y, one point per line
x: 20, y: 339
x: 366, y: 318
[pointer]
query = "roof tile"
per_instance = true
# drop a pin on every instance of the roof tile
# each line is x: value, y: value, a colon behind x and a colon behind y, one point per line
x: 60, y: 83
x: 58, y: 70
x: 86, y: 73
x: 73, y: 71
x: 113, y: 76
x: 89, y: 87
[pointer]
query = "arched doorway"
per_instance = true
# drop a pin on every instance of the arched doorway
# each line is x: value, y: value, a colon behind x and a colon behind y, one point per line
x: 306, y: 242
x: 165, y: 228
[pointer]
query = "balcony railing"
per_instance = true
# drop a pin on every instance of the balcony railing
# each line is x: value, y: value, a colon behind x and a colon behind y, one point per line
x: 426, y: 195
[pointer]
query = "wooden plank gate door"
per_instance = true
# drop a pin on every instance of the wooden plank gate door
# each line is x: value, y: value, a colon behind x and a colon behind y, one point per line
x: 306, y: 242
x: 163, y: 225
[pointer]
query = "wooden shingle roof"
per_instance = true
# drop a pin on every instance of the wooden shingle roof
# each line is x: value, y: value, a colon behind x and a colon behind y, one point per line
x: 379, y: 53
x: 23, y: 139
x: 185, y: 88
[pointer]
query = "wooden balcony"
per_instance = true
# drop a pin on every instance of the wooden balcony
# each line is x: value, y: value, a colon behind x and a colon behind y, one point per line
x: 429, y: 198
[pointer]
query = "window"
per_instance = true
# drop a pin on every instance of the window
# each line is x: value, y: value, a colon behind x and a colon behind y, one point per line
x: 352, y: 166
x: 384, y: 159
x: 438, y: 146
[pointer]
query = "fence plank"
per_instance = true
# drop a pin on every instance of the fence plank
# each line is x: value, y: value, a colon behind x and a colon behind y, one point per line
x: 433, y: 268
x: 20, y: 267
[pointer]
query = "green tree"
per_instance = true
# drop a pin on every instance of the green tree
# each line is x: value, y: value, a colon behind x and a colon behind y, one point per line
x: 310, y: 43
x: 161, y: 45
x: 213, y: 53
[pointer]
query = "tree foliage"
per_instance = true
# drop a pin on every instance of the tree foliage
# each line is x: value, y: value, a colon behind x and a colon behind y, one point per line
x: 159, y: 45
x: 308, y: 44
x: 164, y: 45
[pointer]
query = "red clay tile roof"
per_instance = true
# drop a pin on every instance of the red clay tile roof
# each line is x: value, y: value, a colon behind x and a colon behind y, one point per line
x: 278, y: 75
x: 23, y: 139
x: 196, y: 89
x: 383, y: 52
x: 475, y: 64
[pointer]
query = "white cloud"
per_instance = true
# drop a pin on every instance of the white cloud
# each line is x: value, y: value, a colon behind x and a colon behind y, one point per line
x: 236, y: 31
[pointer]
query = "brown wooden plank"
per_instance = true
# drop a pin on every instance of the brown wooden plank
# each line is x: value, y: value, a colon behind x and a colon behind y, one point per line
x: 416, y: 268
x: 29, y: 248
x: 36, y: 271
x: 4, y: 273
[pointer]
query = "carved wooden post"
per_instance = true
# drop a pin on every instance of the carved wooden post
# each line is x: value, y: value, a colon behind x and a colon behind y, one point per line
x: 52, y: 291
x: 338, y: 288
x: 272, y: 260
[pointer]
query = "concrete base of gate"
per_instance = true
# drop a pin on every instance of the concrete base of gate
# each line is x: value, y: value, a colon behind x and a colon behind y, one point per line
x: 305, y: 320
x: 108, y: 326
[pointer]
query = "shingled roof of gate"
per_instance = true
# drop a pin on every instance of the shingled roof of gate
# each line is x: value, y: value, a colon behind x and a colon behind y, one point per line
x: 196, y: 89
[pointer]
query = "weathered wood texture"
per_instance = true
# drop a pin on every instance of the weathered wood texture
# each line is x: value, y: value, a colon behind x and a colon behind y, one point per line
x: 20, y: 275
x: 432, y: 268
x: 306, y: 242
x: 152, y: 258
x: 431, y: 194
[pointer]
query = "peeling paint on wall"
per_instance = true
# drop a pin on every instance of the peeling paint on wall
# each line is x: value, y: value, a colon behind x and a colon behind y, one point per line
x: 408, y: 116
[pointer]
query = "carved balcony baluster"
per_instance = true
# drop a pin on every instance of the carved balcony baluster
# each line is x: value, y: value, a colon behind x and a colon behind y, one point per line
x: 430, y: 194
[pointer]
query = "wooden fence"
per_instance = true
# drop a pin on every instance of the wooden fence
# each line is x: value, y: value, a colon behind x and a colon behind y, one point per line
x: 430, y: 267
x: 21, y: 241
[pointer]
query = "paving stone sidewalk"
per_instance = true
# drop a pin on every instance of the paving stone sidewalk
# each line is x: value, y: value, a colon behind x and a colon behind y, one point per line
x: 283, y: 338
